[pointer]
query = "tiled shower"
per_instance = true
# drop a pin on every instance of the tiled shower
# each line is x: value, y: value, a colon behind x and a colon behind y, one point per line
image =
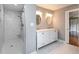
x: 12, y: 23
x: 17, y: 28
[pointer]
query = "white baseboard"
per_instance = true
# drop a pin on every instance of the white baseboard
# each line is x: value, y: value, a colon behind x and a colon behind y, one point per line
x: 61, y: 40
x: 34, y: 52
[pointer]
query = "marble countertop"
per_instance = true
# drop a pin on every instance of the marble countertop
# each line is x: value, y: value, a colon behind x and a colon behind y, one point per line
x: 46, y: 29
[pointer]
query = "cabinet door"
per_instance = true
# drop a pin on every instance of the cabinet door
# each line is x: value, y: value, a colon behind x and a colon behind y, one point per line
x: 51, y: 36
x: 41, y: 39
x: 45, y: 37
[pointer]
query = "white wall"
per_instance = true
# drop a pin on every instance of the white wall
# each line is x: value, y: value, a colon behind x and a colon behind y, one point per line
x: 59, y: 20
x: 1, y: 26
x: 30, y: 17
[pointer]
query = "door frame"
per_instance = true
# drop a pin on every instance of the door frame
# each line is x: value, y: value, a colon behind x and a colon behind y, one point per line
x: 67, y: 24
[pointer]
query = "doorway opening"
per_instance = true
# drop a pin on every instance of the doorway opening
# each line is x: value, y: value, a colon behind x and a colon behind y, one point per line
x: 72, y: 27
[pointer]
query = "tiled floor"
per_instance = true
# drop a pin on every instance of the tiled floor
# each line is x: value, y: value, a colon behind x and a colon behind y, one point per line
x: 14, y: 46
x: 58, y: 48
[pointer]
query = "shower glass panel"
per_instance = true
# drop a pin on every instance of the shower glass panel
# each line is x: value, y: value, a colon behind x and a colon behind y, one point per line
x: 73, y: 28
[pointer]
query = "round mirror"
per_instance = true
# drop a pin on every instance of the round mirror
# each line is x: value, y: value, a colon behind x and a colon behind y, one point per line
x: 38, y: 19
x: 48, y: 20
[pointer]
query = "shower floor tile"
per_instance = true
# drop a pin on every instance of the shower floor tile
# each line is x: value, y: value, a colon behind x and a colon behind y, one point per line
x: 14, y: 46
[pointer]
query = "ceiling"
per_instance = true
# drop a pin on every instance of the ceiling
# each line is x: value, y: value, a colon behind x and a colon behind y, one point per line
x: 19, y: 7
x: 53, y: 6
x: 14, y: 7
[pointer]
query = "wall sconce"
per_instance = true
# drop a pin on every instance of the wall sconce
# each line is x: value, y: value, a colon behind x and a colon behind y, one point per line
x: 39, y: 13
x: 48, y: 15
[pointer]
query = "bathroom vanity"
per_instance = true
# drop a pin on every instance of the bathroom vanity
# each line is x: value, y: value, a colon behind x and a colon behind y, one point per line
x: 46, y: 36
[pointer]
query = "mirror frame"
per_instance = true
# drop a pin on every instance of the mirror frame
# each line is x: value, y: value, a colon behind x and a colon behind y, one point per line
x: 48, y: 18
x: 38, y: 19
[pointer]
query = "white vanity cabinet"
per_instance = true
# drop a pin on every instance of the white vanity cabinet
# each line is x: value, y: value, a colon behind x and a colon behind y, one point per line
x: 46, y: 36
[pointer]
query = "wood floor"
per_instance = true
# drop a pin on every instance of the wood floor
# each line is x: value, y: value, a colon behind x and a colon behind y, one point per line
x: 73, y: 40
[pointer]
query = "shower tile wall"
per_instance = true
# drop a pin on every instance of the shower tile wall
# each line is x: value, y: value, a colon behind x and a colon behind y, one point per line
x: 1, y: 27
x: 13, y: 42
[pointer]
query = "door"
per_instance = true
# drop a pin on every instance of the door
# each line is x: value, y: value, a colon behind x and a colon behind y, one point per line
x: 73, y: 28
